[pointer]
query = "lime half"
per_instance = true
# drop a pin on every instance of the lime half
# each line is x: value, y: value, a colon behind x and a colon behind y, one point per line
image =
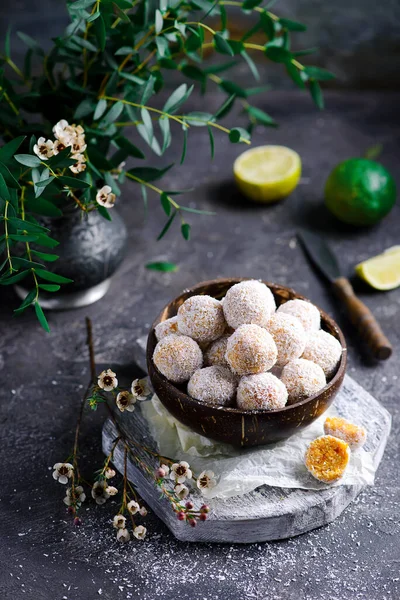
x: 267, y: 173
x: 382, y: 272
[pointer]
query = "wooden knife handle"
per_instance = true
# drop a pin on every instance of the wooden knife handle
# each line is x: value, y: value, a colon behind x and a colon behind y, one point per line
x: 363, y: 319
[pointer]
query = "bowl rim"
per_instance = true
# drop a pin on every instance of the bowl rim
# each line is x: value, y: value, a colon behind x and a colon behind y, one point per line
x: 340, y: 372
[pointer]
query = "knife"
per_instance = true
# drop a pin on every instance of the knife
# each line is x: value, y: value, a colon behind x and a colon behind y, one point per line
x: 362, y: 318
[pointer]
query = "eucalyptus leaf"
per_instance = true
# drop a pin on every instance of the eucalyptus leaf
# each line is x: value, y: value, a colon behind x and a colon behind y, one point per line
x: 165, y: 267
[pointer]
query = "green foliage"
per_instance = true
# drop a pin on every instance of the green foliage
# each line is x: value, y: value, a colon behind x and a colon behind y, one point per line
x: 103, y: 74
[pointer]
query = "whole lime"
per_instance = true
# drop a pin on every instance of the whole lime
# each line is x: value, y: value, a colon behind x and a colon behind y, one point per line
x: 360, y: 192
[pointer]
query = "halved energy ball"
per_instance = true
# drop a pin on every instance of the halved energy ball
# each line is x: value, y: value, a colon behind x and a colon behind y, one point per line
x: 248, y: 302
x: 327, y: 458
x: 213, y: 385
x: 201, y: 318
x: 263, y: 391
x: 251, y: 349
x: 323, y: 349
x: 354, y: 435
x: 177, y: 357
x: 307, y: 313
x: 302, y: 379
x: 289, y: 336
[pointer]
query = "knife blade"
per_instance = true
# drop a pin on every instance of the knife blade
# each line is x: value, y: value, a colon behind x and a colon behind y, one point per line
x: 360, y: 315
x: 320, y: 254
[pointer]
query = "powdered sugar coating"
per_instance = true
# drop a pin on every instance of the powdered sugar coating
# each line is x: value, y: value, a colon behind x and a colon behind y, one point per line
x: 302, y: 378
x: 177, y: 357
x: 215, y: 353
x: 248, y: 302
x: 307, y: 313
x: 263, y: 391
x: 289, y: 336
x: 323, y: 349
x: 167, y: 327
x: 201, y: 318
x: 354, y: 435
x: 213, y: 385
x: 251, y: 349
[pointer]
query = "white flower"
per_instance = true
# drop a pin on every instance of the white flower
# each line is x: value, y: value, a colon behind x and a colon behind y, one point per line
x: 123, y: 535
x: 119, y: 522
x: 111, y: 490
x: 206, y: 480
x: 60, y: 129
x: 133, y: 507
x: 105, y: 197
x: 80, y: 496
x: 140, y: 532
x: 58, y: 146
x: 109, y: 473
x: 107, y: 380
x: 62, y: 472
x: 43, y: 149
x: 125, y: 401
x: 78, y: 144
x: 99, y: 492
x: 140, y: 388
x: 80, y: 165
x: 181, y: 491
x: 180, y: 472
x: 142, y: 511
x: 165, y: 468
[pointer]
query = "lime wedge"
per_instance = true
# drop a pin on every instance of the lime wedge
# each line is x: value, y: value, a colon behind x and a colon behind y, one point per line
x: 267, y: 173
x: 382, y: 272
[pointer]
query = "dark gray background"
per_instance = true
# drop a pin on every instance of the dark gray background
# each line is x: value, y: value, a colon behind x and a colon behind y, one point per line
x: 357, y: 39
x: 43, y: 376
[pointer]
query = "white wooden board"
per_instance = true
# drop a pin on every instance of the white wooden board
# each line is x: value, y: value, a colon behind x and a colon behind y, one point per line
x: 268, y: 513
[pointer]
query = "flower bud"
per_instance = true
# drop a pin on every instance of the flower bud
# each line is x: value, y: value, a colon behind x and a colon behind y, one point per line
x: 189, y: 505
x: 181, y: 516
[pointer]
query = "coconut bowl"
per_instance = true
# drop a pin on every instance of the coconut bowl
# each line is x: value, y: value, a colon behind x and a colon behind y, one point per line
x: 233, y: 425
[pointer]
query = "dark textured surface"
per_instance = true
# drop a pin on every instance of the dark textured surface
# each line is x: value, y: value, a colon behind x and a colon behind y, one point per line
x: 358, y: 39
x: 42, y: 556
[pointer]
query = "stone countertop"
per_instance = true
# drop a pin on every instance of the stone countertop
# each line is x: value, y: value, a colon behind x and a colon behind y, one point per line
x: 43, y: 556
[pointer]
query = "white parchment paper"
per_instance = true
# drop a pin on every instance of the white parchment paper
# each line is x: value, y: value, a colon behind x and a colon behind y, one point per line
x: 239, y: 471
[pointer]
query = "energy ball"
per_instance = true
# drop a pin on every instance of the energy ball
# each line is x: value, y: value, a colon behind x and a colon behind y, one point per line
x: 166, y: 328
x: 213, y: 385
x: 353, y: 435
x: 215, y: 353
x: 251, y: 349
x: 323, y: 349
x: 327, y: 458
x: 302, y: 378
x: 201, y: 318
x: 307, y: 313
x: 248, y: 302
x: 289, y: 336
x: 177, y: 357
x: 263, y: 391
